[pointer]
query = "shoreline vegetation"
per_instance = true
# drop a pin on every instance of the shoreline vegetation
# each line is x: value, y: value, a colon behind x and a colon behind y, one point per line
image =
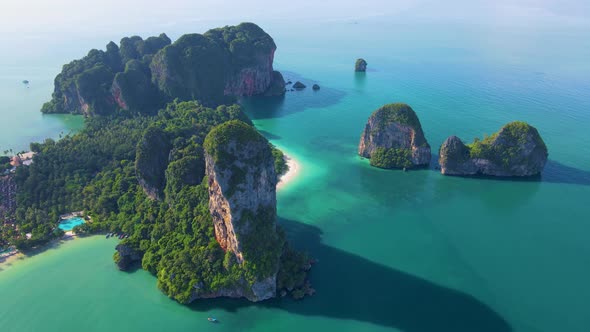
x: 13, y: 254
x: 7, y: 258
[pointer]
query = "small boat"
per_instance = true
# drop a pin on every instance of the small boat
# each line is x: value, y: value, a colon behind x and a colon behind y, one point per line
x: 212, y: 319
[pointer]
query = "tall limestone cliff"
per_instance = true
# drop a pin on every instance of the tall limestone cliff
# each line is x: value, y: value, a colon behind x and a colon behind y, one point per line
x: 151, y: 161
x: 516, y: 150
x: 85, y: 86
x: 142, y: 75
x: 242, y: 202
x: 393, y: 138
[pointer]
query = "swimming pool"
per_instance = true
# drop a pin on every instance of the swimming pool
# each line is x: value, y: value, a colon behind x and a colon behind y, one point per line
x: 69, y: 224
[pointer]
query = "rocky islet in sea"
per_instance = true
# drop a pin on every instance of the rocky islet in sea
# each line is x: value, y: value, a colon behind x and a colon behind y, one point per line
x: 299, y: 86
x: 517, y: 150
x: 393, y: 138
x: 360, y: 65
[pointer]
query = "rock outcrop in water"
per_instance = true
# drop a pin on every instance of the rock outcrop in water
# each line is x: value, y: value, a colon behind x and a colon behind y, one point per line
x: 277, y: 85
x: 126, y: 256
x: 393, y: 138
x: 299, y: 86
x: 242, y: 202
x: 516, y: 150
x: 360, y: 65
x: 142, y: 75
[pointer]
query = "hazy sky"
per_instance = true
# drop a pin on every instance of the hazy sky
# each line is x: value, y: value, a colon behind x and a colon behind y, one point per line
x: 36, y: 29
x: 20, y: 17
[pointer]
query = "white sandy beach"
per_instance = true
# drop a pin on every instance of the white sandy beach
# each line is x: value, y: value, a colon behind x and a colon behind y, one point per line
x: 294, y: 168
x: 15, y: 255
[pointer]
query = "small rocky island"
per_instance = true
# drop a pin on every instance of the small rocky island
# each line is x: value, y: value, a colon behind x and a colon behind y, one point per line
x: 393, y: 138
x: 299, y: 86
x: 360, y: 65
x: 516, y: 150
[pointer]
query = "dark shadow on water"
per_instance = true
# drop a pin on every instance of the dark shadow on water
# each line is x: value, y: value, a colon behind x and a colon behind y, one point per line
x: 259, y: 107
x: 269, y: 135
x: 390, y: 188
x: 360, y: 80
x: 134, y: 267
x: 352, y: 287
x: 554, y: 172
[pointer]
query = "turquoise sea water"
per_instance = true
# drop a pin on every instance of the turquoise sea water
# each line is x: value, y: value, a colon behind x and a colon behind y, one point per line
x: 20, y: 119
x: 69, y: 224
x: 398, y: 251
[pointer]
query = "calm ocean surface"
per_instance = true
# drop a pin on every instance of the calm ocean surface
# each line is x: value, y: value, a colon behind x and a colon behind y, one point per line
x: 398, y: 251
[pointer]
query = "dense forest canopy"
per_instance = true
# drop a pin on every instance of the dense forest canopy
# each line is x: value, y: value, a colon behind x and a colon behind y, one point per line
x: 98, y: 170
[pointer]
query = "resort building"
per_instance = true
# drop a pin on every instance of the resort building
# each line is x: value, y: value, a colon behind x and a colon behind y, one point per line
x: 25, y: 158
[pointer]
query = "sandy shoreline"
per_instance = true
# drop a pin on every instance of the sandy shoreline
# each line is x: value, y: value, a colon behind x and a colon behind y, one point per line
x: 10, y: 256
x: 15, y: 255
x: 294, y: 169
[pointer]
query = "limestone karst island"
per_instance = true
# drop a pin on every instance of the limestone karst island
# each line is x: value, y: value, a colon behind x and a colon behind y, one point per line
x: 169, y: 165
x: 241, y: 165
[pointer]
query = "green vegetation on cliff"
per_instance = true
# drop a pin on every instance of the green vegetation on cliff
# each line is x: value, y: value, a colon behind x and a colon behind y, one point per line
x: 89, y: 81
x: 393, y: 138
x: 507, y: 144
x: 151, y: 159
x: 134, y: 89
x: 140, y: 76
x: 237, y: 132
x: 281, y: 166
x: 391, y: 158
x: 400, y: 113
x: 262, y: 246
x: 237, y: 149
